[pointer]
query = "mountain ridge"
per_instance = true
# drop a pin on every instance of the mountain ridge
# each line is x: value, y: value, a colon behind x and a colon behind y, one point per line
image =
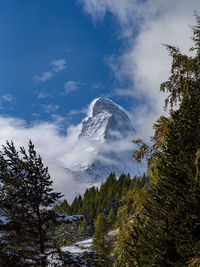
x: 105, y: 134
x: 106, y: 121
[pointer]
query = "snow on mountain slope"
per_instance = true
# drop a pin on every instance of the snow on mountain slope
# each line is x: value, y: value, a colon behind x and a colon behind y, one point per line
x: 103, y: 142
x: 108, y: 122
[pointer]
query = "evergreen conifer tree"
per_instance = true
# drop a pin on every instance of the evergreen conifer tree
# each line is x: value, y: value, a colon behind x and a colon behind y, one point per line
x: 26, y: 199
x: 101, y: 242
x: 111, y: 218
x: 167, y: 231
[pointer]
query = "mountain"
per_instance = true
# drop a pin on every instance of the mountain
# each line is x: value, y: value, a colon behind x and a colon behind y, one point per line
x: 107, y: 122
x: 105, y: 142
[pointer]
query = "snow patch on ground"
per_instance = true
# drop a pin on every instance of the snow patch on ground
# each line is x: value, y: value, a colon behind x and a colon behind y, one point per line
x: 75, y: 249
x: 79, y: 247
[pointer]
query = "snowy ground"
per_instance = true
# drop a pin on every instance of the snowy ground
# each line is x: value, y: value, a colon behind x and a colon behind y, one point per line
x: 79, y: 247
x: 75, y: 249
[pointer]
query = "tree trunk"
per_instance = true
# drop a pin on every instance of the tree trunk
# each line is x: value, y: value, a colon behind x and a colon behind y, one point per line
x: 43, y: 260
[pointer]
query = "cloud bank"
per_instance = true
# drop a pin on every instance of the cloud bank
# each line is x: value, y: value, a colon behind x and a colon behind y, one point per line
x: 66, y: 154
x: 53, y: 148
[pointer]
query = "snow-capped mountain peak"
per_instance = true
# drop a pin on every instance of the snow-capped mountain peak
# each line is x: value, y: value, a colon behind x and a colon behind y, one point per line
x: 106, y: 122
x: 104, y: 143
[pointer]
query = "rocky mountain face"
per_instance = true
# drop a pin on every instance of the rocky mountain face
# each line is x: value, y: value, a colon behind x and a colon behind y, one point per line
x: 108, y: 122
x: 107, y: 132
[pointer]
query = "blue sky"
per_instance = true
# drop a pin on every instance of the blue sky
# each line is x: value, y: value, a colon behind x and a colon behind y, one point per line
x: 56, y: 56
x: 34, y: 34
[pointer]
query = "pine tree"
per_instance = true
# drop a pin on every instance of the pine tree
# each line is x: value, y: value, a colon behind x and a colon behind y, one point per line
x: 167, y: 231
x: 107, y: 199
x: 101, y: 242
x: 63, y: 208
x: 127, y: 247
x: 84, y: 229
x: 26, y: 199
x: 111, y: 218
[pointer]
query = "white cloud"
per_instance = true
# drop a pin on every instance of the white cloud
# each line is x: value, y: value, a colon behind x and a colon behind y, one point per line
x: 42, y: 95
x: 76, y: 112
x: 58, y: 151
x: 7, y: 98
x: 61, y: 151
x: 53, y: 148
x: 127, y: 92
x: 144, y: 60
x: 50, y: 108
x: 44, y: 77
x: 58, y: 65
x: 71, y: 86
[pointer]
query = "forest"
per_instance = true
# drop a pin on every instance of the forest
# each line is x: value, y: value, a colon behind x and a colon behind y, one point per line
x: 155, y: 217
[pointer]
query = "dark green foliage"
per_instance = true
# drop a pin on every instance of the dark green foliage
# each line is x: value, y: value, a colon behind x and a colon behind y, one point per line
x: 87, y: 259
x: 84, y: 229
x: 107, y: 200
x: 76, y: 204
x: 25, y: 194
x: 173, y: 203
x: 166, y: 231
x: 111, y: 218
x: 66, y: 234
x: 101, y: 242
x: 63, y: 208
